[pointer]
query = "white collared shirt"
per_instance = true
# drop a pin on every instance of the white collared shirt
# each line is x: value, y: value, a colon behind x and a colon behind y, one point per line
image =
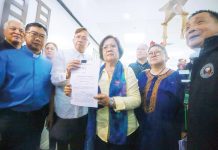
x: 63, y: 107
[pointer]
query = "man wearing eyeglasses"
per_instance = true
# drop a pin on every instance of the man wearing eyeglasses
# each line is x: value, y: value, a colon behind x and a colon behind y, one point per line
x: 70, y: 125
x: 25, y: 90
x: 13, y: 31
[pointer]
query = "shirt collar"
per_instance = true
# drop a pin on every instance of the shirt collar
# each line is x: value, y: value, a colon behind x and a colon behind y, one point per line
x: 141, y: 64
x: 210, y: 44
x: 29, y: 52
x: 78, y: 54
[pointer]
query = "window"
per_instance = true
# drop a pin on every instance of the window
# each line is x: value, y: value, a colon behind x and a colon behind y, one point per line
x: 43, y: 14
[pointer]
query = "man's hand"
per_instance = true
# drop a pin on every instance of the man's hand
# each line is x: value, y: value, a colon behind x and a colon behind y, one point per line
x: 68, y: 90
x: 183, y: 135
x: 74, y: 64
x: 49, y: 121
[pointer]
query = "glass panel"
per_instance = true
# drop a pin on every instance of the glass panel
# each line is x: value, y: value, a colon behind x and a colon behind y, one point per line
x: 43, y: 18
x: 21, y: 2
x: 45, y: 10
x: 16, y: 9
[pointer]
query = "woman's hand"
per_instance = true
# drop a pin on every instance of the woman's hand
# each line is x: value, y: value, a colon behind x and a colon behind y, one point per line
x: 68, y: 90
x: 103, y: 99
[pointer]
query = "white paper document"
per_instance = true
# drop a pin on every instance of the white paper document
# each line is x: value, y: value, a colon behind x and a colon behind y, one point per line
x: 183, y: 144
x: 84, y: 83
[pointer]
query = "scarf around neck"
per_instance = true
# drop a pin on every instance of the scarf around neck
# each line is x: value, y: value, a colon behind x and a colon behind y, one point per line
x: 118, y: 121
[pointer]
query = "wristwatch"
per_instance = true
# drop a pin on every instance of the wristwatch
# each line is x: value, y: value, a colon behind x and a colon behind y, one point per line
x: 111, y: 102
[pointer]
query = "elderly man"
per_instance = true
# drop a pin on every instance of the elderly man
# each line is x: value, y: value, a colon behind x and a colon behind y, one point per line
x: 141, y: 62
x: 25, y: 90
x: 71, y: 120
x: 202, y: 33
x: 13, y: 31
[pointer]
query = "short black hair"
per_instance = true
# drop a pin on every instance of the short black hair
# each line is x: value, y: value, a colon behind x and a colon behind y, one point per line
x: 120, y: 49
x: 213, y: 14
x: 36, y: 24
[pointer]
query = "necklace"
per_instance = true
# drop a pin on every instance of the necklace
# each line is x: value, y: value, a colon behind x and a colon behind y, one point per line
x: 162, y: 69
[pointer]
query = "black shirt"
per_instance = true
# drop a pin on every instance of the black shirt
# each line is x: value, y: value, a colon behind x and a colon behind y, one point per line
x: 5, y: 45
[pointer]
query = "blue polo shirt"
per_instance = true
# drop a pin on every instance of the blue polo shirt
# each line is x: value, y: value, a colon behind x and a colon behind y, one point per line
x: 24, y: 80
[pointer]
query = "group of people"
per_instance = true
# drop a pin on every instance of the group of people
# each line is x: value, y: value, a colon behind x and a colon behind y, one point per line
x: 25, y: 86
x: 140, y: 107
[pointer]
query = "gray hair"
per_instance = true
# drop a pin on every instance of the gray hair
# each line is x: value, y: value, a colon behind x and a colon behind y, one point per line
x: 6, y: 24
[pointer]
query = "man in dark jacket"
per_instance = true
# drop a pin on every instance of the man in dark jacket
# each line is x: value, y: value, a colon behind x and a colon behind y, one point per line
x: 202, y: 33
x: 13, y: 31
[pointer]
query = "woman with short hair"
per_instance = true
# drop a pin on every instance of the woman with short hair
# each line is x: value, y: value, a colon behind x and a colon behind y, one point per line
x: 113, y: 125
x: 161, y: 113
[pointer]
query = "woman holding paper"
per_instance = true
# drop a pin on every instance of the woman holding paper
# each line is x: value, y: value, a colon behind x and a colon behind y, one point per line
x: 113, y: 125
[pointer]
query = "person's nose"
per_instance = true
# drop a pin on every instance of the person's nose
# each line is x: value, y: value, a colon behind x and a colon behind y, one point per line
x: 109, y: 49
x: 191, y: 30
x: 80, y: 39
x: 38, y: 39
x: 50, y: 50
x: 17, y: 31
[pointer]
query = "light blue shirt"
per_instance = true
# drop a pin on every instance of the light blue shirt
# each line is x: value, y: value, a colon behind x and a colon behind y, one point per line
x: 24, y: 80
x: 63, y: 108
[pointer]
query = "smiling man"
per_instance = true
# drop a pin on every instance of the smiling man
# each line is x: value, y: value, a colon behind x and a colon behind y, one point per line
x: 202, y: 33
x: 13, y: 31
x: 25, y: 90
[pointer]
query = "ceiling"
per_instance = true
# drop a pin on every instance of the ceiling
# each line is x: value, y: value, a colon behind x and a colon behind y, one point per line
x: 135, y: 22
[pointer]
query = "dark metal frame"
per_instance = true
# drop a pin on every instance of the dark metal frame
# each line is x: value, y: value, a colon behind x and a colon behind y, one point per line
x: 77, y: 21
x: 40, y: 12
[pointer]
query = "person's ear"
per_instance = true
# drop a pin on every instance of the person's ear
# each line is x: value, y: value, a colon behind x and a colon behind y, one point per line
x: 25, y: 34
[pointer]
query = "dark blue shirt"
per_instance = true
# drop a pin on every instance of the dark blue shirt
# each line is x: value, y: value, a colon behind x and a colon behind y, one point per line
x: 138, y: 68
